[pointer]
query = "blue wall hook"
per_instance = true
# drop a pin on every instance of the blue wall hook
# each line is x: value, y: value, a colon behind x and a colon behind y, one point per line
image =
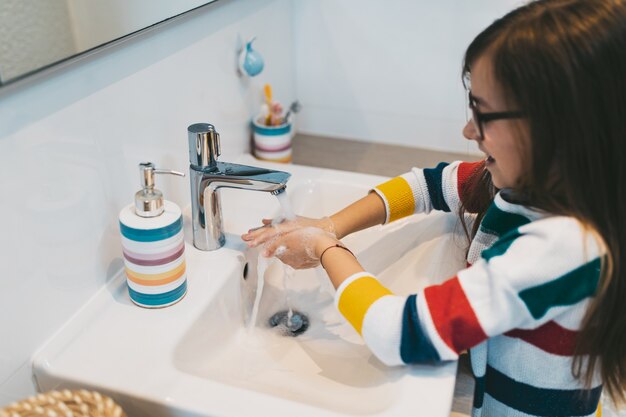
x: 250, y: 61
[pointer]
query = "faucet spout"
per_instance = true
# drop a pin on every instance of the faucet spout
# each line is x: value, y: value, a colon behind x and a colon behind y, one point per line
x: 208, y: 175
x: 246, y: 177
x: 208, y: 231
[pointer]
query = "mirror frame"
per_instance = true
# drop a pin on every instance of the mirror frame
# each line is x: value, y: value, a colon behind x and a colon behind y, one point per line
x: 76, y: 57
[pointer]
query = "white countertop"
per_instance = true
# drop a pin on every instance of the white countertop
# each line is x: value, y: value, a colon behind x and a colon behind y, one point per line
x: 130, y: 353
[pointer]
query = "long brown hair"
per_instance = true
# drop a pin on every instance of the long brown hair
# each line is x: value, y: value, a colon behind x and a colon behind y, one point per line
x: 563, y: 63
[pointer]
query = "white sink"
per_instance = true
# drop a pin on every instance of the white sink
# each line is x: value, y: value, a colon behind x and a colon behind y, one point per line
x: 201, y: 357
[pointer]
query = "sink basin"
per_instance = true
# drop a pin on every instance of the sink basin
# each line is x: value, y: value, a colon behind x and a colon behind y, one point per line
x: 205, y: 357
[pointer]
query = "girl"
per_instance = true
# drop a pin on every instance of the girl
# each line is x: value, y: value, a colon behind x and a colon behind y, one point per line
x: 541, y: 305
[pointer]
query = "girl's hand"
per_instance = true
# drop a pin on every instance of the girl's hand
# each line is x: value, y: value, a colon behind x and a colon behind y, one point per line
x: 269, y: 231
x: 300, y: 248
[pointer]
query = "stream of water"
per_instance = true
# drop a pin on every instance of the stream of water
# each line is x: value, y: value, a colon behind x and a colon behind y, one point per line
x: 286, y: 213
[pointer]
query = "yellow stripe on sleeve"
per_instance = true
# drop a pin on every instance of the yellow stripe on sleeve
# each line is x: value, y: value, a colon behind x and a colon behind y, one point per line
x: 399, y: 196
x: 357, y: 298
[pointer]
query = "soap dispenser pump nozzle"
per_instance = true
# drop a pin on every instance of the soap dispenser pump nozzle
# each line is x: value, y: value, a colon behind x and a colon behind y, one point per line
x: 149, y: 200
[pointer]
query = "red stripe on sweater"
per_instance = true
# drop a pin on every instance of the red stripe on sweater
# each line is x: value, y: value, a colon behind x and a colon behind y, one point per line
x: 453, y: 315
x: 551, y: 338
x: 464, y: 173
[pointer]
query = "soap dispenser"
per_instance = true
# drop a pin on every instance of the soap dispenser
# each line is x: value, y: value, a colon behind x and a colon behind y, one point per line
x: 153, y: 244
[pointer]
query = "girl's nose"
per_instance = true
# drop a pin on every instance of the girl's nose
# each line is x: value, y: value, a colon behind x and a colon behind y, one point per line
x: 469, y: 131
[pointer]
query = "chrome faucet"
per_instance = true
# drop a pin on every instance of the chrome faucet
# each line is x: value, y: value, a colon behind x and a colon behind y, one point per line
x: 208, y: 175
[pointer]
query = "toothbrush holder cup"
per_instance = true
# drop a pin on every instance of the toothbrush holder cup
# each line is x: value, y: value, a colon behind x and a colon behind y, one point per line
x: 272, y: 143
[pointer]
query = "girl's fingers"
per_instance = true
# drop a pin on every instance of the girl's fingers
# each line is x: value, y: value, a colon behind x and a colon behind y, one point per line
x: 270, y: 247
x: 271, y: 228
x: 262, y: 236
x: 253, y: 233
x: 257, y: 233
x: 265, y: 226
x: 247, y: 236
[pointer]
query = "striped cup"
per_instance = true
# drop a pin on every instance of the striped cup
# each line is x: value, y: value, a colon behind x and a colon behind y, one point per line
x: 272, y: 143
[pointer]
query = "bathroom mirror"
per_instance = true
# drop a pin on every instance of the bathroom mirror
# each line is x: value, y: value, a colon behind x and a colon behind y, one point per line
x: 36, y: 35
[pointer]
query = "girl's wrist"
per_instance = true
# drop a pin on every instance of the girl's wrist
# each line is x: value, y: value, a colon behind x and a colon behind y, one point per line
x: 324, y: 242
x: 328, y: 225
x: 333, y: 221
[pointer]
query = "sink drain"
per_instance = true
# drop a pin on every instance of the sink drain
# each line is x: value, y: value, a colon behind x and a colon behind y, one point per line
x: 298, y: 324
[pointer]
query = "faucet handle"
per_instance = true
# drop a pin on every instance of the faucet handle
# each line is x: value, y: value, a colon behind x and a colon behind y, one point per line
x: 204, y: 145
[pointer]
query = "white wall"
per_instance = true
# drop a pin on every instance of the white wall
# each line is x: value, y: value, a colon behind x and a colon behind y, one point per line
x: 387, y: 71
x: 70, y: 143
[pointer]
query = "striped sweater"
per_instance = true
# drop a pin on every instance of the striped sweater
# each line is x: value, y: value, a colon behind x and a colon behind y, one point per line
x: 517, y: 308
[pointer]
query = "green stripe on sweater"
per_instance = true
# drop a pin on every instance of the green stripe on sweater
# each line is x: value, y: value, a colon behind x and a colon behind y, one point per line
x: 501, y: 245
x: 565, y: 290
x: 498, y: 222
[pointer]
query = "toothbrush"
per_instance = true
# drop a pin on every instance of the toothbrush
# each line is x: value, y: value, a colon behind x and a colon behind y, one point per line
x: 267, y: 89
x: 295, y: 108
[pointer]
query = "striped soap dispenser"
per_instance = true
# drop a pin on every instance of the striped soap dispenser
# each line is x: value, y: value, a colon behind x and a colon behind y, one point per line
x: 153, y: 244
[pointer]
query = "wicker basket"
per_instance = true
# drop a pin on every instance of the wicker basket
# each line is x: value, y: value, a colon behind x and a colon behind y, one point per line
x: 65, y: 403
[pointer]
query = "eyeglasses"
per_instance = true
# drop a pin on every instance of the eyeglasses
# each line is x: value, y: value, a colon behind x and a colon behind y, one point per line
x: 479, y: 119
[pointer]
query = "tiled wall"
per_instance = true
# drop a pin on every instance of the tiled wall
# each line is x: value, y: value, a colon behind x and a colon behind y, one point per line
x: 70, y: 142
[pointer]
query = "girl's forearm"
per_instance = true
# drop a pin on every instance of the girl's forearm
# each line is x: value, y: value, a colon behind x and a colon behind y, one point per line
x: 362, y: 214
x: 338, y: 262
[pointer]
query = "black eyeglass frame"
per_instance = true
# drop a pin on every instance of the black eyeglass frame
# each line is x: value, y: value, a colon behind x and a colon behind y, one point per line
x: 481, y: 118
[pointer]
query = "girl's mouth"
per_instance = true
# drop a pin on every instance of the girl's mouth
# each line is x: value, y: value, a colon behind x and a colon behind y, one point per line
x: 489, y: 160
